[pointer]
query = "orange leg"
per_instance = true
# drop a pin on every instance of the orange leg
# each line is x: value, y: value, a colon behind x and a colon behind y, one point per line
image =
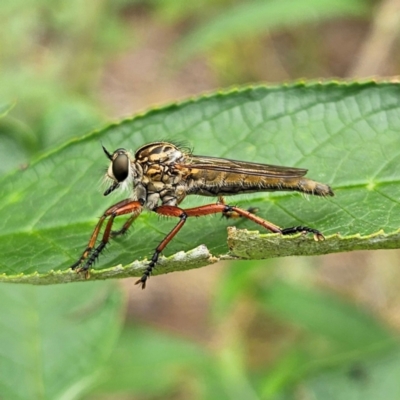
x: 123, y: 207
x: 233, y: 214
x: 220, y: 207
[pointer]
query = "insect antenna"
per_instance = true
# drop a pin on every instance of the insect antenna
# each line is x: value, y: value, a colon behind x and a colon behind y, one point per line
x: 109, y: 156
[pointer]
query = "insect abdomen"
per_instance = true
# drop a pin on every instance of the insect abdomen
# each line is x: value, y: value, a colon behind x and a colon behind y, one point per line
x: 225, y: 184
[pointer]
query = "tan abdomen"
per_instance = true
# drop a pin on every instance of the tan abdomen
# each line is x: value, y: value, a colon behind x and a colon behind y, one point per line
x: 213, y: 183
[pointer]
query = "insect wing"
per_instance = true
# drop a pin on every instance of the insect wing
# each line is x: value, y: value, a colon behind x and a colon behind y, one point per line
x: 244, y: 167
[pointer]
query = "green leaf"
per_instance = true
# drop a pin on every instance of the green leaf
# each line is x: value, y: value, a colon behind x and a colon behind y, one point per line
x: 5, y: 108
x: 345, y: 134
x: 139, y: 349
x: 248, y: 19
x: 371, y: 379
x: 64, y: 119
x: 325, y: 315
x: 17, y: 140
x: 54, y: 339
x: 341, y: 339
x: 182, y: 365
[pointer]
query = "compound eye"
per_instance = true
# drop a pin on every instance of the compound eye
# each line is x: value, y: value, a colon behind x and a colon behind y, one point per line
x: 120, y: 167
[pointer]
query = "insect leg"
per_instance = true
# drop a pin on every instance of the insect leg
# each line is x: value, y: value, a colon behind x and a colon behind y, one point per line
x: 124, y: 228
x: 183, y: 214
x: 224, y: 208
x: 287, y: 231
x: 123, y: 207
x: 169, y: 211
x: 96, y: 232
x: 233, y: 214
x: 172, y: 211
x: 304, y: 229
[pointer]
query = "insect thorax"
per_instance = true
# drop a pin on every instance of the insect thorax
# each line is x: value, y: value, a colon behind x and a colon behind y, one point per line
x: 161, y: 180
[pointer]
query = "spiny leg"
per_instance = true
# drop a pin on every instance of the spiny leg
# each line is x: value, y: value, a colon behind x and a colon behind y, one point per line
x: 233, y: 214
x: 96, y: 231
x: 286, y: 231
x: 226, y: 209
x: 94, y: 254
x: 304, y: 229
x: 173, y: 211
x: 124, y: 228
x: 91, y: 254
x: 170, y: 211
x: 183, y: 214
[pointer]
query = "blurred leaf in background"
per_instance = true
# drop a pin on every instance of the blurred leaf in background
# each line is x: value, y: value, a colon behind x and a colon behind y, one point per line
x: 247, y: 20
x: 52, y: 54
x: 255, y: 40
x: 54, y: 340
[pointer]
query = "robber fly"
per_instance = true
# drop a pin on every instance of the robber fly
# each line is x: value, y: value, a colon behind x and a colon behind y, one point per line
x: 160, y: 175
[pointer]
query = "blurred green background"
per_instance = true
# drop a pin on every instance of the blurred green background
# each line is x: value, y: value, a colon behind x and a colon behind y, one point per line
x: 293, y: 328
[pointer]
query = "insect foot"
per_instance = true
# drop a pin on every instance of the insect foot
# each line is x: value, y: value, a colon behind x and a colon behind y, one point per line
x: 147, y: 272
x: 318, y: 236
